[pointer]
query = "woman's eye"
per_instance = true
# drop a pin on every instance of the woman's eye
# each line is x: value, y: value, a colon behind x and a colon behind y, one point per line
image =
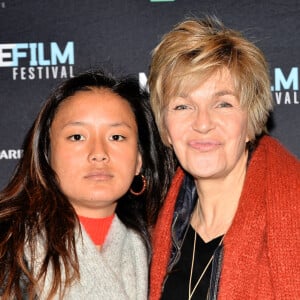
x: 77, y: 137
x: 224, y: 104
x: 180, y: 107
x: 117, y: 137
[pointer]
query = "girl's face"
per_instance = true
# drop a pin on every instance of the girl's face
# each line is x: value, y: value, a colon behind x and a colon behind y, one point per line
x: 94, y: 150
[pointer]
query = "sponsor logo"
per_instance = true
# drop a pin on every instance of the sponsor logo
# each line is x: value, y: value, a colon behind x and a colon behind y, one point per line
x: 29, y: 61
x: 11, y: 154
x: 285, y: 88
x: 143, y: 80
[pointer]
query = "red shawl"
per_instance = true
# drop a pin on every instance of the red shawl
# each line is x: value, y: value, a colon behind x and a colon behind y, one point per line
x: 262, y: 246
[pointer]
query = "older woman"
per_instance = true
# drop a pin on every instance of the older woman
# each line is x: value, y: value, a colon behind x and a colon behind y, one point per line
x: 230, y: 225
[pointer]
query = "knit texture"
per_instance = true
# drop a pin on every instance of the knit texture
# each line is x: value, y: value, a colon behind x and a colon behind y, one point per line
x: 262, y: 246
x: 118, y: 271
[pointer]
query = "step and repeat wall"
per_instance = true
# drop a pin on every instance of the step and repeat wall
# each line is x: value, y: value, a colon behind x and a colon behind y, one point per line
x: 45, y: 42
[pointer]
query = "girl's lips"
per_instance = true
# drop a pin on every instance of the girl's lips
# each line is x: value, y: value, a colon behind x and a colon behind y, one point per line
x: 99, y: 175
x: 205, y: 145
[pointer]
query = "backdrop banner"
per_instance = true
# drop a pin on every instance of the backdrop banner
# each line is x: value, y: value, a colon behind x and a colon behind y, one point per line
x: 45, y: 42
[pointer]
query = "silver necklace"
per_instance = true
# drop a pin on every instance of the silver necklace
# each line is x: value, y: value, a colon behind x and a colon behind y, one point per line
x: 191, y: 291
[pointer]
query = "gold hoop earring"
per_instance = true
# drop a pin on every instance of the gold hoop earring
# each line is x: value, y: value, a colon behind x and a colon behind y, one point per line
x: 144, y: 185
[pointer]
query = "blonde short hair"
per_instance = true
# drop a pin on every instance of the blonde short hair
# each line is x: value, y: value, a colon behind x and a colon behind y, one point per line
x: 193, y: 51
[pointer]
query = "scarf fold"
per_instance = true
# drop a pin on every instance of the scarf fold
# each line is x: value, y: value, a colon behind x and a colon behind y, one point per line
x: 161, y: 238
x: 262, y: 246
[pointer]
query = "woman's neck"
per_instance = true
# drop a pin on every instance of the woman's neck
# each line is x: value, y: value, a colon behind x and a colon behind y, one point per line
x: 217, y: 203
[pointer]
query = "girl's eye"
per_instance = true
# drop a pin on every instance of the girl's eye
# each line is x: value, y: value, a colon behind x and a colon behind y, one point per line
x: 77, y: 137
x: 117, y: 137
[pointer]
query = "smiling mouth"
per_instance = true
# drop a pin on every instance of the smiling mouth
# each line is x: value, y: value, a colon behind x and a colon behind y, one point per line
x: 204, y: 146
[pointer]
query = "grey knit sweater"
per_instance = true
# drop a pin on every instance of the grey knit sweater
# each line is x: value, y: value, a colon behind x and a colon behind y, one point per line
x: 118, y: 272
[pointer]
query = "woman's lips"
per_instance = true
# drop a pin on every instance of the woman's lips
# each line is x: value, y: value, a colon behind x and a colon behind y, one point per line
x: 204, y: 145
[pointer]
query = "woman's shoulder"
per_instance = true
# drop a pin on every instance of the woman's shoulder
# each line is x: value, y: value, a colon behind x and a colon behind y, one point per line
x: 278, y: 156
x: 119, y: 233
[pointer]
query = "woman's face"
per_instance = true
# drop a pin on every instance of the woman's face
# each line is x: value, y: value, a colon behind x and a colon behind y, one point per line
x: 208, y: 129
x: 94, y: 150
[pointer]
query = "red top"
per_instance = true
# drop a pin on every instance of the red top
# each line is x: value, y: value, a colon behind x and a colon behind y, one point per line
x: 97, y: 228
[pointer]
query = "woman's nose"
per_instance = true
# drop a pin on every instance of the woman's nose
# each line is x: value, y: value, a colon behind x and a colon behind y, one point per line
x: 203, y: 121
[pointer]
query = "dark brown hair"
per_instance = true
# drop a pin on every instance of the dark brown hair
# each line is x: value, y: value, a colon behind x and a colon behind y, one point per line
x: 32, y: 205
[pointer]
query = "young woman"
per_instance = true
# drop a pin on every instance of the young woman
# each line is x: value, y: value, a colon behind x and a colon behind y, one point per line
x: 74, y: 216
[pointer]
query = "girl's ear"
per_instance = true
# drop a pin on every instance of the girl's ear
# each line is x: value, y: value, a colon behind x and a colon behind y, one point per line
x: 139, y: 163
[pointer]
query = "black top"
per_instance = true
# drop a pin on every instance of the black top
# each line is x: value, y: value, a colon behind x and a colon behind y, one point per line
x: 177, y: 284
